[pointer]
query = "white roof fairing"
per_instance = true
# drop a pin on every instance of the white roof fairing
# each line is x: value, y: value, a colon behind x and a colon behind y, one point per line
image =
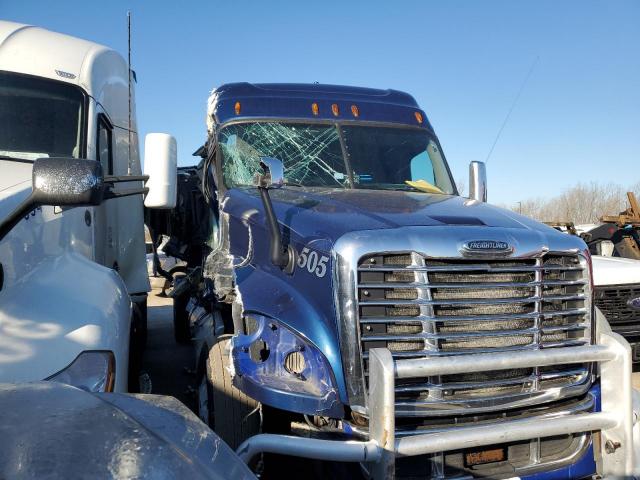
x: 99, y: 70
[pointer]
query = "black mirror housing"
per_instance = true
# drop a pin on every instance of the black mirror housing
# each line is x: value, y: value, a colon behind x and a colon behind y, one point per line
x: 67, y: 182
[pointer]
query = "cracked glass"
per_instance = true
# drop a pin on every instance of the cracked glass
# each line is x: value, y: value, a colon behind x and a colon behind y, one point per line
x: 374, y: 157
x: 311, y: 154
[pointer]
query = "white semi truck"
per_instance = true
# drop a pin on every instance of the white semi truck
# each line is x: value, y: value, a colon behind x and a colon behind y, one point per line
x: 73, y: 281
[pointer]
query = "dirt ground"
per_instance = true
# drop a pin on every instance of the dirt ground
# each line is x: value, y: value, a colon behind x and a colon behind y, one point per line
x: 166, y: 361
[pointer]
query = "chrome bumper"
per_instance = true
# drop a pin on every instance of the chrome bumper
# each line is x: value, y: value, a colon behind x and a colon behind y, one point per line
x: 615, y: 421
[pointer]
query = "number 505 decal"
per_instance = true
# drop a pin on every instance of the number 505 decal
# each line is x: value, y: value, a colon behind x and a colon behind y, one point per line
x: 314, y: 263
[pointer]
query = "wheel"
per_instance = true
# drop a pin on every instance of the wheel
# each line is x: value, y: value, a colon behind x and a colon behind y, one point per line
x: 181, y: 318
x: 141, y: 312
x: 137, y: 341
x: 229, y: 412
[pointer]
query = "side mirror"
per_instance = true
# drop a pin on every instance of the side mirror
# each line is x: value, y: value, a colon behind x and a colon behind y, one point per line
x: 478, y: 181
x: 161, y: 165
x: 67, y: 182
x: 59, y: 181
x: 273, y: 176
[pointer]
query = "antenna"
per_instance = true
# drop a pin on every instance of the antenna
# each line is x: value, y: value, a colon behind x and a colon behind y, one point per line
x: 129, y: 84
x: 513, y: 105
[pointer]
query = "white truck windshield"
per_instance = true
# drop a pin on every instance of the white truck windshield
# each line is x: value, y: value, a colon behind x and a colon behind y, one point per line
x: 39, y: 118
x: 336, y: 156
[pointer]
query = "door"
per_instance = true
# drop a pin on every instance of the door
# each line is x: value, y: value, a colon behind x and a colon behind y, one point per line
x: 105, y: 216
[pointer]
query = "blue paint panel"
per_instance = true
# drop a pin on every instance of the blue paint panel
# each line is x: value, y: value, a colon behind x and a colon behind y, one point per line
x: 267, y: 291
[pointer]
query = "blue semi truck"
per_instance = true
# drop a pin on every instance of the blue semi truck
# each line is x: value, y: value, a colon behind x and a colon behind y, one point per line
x: 337, y: 279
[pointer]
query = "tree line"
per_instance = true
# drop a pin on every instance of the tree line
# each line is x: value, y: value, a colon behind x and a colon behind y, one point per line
x: 582, y: 203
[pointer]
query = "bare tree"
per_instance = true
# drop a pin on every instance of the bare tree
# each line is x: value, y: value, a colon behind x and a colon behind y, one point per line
x: 583, y: 203
x: 462, y: 185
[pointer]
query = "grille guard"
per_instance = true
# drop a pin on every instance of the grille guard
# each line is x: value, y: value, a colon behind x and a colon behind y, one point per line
x: 615, y: 421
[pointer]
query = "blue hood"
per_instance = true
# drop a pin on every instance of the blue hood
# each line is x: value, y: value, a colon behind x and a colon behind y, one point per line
x: 316, y: 219
x: 309, y: 214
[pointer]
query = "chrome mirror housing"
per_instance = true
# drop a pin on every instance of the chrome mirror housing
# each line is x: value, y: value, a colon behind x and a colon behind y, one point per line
x: 273, y: 176
x: 478, y: 181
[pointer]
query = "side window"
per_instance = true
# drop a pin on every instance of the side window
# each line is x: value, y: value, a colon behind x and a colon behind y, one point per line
x: 104, y: 144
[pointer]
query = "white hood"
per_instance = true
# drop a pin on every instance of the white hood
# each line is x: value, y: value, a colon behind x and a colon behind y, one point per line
x: 15, y: 184
x: 615, y: 271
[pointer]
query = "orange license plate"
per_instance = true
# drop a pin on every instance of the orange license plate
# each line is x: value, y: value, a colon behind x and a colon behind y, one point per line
x: 480, y: 457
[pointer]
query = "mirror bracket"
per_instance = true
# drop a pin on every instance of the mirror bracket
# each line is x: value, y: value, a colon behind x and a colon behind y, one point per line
x: 272, y: 176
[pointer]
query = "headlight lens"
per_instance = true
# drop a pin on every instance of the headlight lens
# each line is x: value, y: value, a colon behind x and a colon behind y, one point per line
x: 277, y: 367
x: 93, y: 371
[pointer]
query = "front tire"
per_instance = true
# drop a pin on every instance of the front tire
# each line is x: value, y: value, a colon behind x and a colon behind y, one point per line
x: 181, y: 331
x: 229, y: 412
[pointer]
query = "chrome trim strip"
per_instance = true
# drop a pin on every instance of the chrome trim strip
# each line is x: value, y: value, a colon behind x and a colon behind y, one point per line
x: 474, y: 301
x: 479, y: 318
x: 470, y: 285
x: 467, y: 268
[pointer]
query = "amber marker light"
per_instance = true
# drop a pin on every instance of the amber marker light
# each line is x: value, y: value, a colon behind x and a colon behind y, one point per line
x: 418, y: 116
x: 335, y: 110
x: 237, y: 108
x: 355, y: 111
x: 315, y: 109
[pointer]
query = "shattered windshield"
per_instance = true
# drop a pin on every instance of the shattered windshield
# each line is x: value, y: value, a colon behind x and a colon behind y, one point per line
x: 311, y: 154
x: 379, y: 158
x: 39, y: 118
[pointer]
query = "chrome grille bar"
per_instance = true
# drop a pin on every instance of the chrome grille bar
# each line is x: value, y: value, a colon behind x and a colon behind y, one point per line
x: 466, y: 268
x: 483, y: 301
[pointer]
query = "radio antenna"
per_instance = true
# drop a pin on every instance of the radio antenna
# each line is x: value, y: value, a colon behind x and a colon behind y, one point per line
x: 513, y: 105
x: 129, y: 84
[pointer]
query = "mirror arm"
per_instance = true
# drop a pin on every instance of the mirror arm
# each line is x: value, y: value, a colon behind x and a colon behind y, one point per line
x: 109, y: 194
x: 125, y: 178
x: 16, y: 215
x: 29, y: 204
x: 279, y: 255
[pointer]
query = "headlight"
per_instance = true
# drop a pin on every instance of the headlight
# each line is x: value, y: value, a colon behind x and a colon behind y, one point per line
x: 94, y: 371
x: 275, y: 366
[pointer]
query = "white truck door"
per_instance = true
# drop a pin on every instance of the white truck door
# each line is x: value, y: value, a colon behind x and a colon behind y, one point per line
x: 106, y: 218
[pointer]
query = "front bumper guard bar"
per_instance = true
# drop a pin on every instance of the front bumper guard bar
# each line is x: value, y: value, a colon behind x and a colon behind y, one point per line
x: 615, y: 421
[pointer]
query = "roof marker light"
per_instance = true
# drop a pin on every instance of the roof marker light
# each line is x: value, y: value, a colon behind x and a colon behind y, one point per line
x: 355, y: 111
x: 418, y: 116
x: 237, y: 108
x: 315, y: 109
x: 335, y: 110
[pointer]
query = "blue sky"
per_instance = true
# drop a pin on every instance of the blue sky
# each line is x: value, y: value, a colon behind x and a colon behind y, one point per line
x: 578, y: 118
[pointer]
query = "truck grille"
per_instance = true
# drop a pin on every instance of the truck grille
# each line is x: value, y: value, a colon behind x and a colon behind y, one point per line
x: 612, y: 300
x: 419, y: 307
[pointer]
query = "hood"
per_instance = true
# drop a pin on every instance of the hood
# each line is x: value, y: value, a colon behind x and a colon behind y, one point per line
x: 615, y: 271
x: 56, y: 431
x: 15, y: 184
x: 329, y: 214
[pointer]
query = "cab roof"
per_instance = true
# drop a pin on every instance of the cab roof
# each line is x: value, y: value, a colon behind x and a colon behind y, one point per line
x: 100, y: 71
x: 294, y: 101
